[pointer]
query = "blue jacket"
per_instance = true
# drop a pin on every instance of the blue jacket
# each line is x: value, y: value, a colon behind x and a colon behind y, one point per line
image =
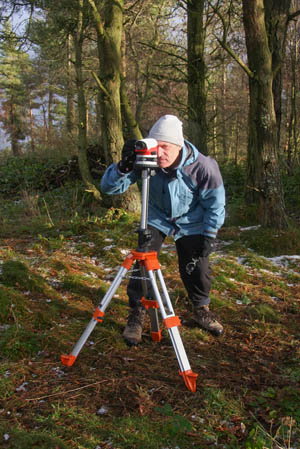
x: 187, y: 200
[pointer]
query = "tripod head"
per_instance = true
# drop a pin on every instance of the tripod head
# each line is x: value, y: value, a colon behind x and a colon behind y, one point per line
x: 146, y: 154
x: 146, y: 161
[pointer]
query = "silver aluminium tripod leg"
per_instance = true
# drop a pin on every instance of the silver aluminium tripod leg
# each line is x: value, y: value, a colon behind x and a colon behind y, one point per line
x: 68, y: 360
x: 171, y: 322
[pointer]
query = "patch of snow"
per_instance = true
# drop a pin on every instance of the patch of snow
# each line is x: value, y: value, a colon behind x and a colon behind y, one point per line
x: 22, y: 387
x: 102, y: 410
x: 283, y: 261
x: 275, y: 298
x: 249, y: 228
x: 55, y: 282
x: 225, y: 243
x: 263, y: 270
x: 125, y: 252
x: 58, y: 371
x: 169, y: 246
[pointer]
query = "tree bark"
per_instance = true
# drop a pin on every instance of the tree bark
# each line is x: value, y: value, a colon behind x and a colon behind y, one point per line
x: 276, y: 19
x: 292, y: 143
x: 13, y: 128
x: 264, y: 180
x: 132, y: 127
x: 70, y: 119
x: 82, y: 107
x: 32, y: 140
x: 50, y: 115
x: 197, y: 123
x: 109, y: 38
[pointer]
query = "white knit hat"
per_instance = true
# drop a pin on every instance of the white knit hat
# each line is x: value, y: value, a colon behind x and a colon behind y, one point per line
x: 168, y: 129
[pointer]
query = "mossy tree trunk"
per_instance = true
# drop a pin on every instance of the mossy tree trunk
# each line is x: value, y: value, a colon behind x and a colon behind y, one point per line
x: 78, y: 37
x: 132, y: 127
x: 276, y: 18
x: 197, y: 123
x: 70, y: 113
x: 264, y: 179
x: 109, y: 28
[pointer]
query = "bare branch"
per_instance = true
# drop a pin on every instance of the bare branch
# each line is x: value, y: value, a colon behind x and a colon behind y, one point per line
x: 226, y: 47
x: 236, y: 58
x: 99, y: 84
x: 293, y: 15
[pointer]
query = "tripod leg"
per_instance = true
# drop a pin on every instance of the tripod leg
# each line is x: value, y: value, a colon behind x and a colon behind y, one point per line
x: 172, y: 322
x: 68, y: 360
x: 151, y: 306
x: 154, y: 323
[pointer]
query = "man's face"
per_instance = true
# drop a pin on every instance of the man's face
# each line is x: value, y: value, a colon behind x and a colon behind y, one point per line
x: 168, y: 155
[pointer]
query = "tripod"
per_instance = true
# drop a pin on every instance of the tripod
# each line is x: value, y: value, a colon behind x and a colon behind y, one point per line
x: 149, y: 269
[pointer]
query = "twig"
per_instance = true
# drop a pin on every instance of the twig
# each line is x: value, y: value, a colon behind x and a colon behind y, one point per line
x: 48, y: 213
x: 65, y: 392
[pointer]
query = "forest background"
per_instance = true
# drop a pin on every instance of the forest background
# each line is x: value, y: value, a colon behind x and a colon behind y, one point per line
x: 85, y: 74
x: 78, y: 78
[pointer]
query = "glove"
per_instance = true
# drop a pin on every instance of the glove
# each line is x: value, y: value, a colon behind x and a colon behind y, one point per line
x: 128, y: 156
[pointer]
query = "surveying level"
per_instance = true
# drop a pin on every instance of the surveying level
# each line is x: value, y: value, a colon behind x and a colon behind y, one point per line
x: 146, y: 161
x: 146, y: 154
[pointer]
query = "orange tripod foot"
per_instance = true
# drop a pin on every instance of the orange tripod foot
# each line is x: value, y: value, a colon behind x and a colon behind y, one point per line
x: 67, y: 360
x: 156, y: 336
x: 189, y: 379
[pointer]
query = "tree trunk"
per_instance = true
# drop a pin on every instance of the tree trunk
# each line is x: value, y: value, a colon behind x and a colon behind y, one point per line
x: 276, y: 19
x: 32, y: 140
x: 264, y: 179
x: 70, y: 119
x: 82, y: 108
x: 13, y: 129
x: 292, y: 144
x: 197, y: 123
x: 223, y: 113
x: 50, y: 115
x: 132, y: 127
x: 109, y: 38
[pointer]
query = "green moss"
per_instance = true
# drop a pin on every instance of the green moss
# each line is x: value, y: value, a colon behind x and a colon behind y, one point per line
x: 17, y: 274
x: 18, y: 342
x: 23, y: 438
x: 264, y: 312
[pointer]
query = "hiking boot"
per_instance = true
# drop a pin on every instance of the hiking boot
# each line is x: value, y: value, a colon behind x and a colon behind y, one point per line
x: 207, y: 320
x: 134, y: 327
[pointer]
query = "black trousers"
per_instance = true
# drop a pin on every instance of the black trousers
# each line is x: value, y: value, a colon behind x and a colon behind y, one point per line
x: 193, y: 252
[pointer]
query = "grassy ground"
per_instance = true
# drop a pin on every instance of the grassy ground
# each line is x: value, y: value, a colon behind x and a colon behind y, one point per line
x: 55, y: 265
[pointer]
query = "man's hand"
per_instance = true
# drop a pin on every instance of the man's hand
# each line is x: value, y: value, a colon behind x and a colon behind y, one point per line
x: 128, y: 156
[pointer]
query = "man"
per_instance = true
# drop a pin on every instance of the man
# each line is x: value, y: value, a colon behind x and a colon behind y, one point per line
x: 186, y: 200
